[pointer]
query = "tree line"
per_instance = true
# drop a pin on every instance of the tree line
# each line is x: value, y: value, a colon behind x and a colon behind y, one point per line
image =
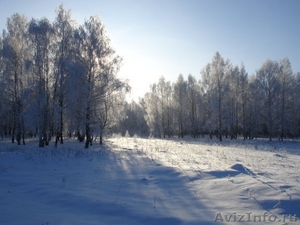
x: 224, y: 102
x: 58, y: 78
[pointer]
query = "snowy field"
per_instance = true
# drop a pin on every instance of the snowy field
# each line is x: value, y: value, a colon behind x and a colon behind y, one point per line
x: 151, y: 181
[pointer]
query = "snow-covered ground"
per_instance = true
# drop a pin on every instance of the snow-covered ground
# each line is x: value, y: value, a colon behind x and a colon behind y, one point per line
x: 151, y: 181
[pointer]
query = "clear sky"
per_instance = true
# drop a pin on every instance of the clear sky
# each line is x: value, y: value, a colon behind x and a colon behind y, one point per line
x: 169, y: 37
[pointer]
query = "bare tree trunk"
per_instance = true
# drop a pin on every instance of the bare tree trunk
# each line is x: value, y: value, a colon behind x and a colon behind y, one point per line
x: 101, y: 136
x: 61, y: 120
x: 101, y: 139
x: 13, y: 129
x: 87, y: 131
x: 56, y: 141
x: 19, y: 134
x: 23, y: 131
x: 41, y: 140
x: 220, y: 125
x: 87, y: 128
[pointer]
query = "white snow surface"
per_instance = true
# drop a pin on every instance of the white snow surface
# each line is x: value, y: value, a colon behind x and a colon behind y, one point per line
x: 151, y: 181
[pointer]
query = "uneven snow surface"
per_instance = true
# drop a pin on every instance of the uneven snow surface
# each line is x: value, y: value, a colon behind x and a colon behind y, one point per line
x: 151, y: 181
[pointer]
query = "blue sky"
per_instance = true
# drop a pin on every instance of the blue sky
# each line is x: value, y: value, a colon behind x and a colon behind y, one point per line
x: 169, y: 37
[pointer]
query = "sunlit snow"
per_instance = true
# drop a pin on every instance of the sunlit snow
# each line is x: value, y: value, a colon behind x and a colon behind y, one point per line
x: 150, y: 181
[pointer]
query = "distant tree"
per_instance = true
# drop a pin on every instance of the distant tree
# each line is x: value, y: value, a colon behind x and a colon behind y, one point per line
x: 254, y: 120
x: 162, y: 97
x: 140, y: 112
x: 244, y: 101
x: 234, y: 101
x: 158, y: 108
x: 192, y: 98
x: 216, y: 89
x: 170, y: 109
x: 201, y: 110
x: 134, y: 121
x: 268, y: 88
x: 285, y: 79
x: 152, y: 113
x: 207, y: 100
x: 179, y: 95
x: 294, y: 117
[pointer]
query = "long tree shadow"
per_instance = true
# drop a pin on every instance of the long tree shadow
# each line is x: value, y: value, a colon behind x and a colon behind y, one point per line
x: 150, y: 193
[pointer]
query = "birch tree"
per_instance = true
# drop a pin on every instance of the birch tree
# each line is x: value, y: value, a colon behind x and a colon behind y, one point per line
x: 15, y: 48
x: 254, y: 105
x: 268, y: 88
x: 64, y: 32
x: 285, y: 79
x: 134, y: 122
x: 294, y: 119
x: 100, y: 64
x: 153, y: 114
x: 234, y: 96
x: 41, y: 34
x: 216, y: 85
x: 206, y: 92
x: 2, y: 92
x: 179, y: 95
x: 192, y: 94
x: 162, y: 96
x: 244, y: 101
x: 169, y: 109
